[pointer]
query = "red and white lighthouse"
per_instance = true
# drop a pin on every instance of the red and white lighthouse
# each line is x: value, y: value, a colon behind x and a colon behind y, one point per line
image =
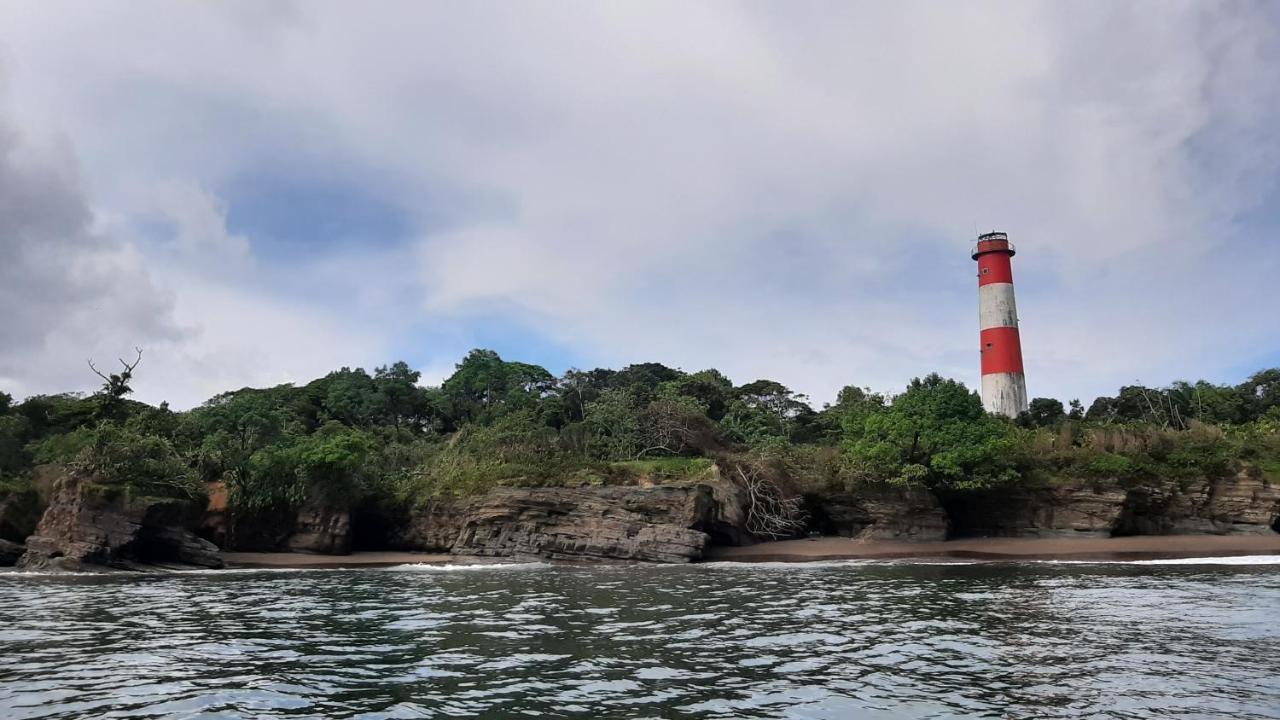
x: 1004, y: 387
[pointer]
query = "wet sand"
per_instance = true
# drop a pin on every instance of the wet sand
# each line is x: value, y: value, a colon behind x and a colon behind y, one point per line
x: 1069, y: 548
x: 829, y: 548
x: 359, y: 559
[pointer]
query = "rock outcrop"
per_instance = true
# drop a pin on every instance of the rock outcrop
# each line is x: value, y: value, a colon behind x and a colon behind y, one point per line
x: 656, y: 524
x: 1076, y: 509
x: 879, y: 512
x: 432, y: 527
x: 1244, y: 504
x: 321, y: 527
x: 88, y: 526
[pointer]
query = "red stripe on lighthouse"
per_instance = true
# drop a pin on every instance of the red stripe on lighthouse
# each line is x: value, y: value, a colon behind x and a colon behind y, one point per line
x: 994, y: 267
x: 1001, y: 350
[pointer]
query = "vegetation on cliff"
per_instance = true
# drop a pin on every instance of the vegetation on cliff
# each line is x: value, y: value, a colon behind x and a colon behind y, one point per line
x: 379, y: 436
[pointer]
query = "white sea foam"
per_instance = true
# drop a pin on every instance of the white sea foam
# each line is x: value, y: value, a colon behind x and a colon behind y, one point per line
x: 1229, y: 560
x: 464, y: 567
x: 785, y: 564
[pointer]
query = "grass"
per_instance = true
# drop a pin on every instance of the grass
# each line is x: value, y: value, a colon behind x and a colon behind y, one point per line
x: 660, y: 470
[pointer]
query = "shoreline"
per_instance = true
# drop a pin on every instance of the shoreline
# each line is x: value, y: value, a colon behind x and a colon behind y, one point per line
x: 1146, y: 547
x: 249, y: 560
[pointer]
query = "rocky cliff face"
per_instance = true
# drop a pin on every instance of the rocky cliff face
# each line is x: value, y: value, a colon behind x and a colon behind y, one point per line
x: 433, y: 527
x: 322, y: 527
x: 882, y: 512
x: 657, y: 524
x: 87, y: 526
x: 1243, y: 504
x: 1077, y: 509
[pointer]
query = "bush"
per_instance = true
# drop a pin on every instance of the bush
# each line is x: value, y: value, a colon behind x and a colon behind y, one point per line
x: 119, y: 457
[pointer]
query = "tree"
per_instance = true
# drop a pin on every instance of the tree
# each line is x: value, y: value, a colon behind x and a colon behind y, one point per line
x: 579, y: 388
x: 115, y: 387
x: 710, y: 388
x: 613, y: 422
x: 224, y: 435
x: 401, y: 402
x: 484, y: 387
x: 1043, y: 412
x: 936, y: 433
x: 765, y: 412
x: 1077, y: 410
x: 1261, y: 392
x: 13, y: 454
x: 117, y: 456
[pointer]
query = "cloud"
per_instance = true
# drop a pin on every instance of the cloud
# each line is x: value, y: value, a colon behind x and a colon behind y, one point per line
x: 68, y: 291
x: 781, y: 191
x: 77, y: 288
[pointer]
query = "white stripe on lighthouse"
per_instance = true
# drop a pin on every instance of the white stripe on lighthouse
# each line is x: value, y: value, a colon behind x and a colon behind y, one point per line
x: 996, y: 307
x: 1004, y: 393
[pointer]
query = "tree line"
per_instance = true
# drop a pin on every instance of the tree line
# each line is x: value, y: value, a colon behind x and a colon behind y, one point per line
x: 383, y: 437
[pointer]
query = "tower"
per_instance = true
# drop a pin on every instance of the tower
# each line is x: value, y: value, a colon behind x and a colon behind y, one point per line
x: 1004, y: 387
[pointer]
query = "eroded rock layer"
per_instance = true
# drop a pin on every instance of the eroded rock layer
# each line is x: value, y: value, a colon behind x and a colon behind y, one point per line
x: 87, y: 526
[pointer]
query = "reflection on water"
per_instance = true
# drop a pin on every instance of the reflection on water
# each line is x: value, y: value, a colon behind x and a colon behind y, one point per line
x: 866, y: 640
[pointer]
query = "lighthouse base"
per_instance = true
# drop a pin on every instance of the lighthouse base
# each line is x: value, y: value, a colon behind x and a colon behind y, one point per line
x: 1004, y: 393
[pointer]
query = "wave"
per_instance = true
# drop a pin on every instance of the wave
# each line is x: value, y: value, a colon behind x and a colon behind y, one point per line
x: 464, y: 567
x: 1226, y: 560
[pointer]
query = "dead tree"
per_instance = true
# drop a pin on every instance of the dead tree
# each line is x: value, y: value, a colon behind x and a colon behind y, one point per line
x: 771, y: 512
x: 116, y: 385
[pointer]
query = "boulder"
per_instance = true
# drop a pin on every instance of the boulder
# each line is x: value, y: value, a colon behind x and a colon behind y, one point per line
x: 656, y: 524
x: 879, y: 512
x: 88, y: 526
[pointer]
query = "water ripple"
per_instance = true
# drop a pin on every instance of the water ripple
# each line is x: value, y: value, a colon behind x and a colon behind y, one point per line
x: 833, y: 640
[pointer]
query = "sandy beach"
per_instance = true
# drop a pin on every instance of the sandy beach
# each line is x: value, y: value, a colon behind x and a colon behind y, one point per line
x: 1089, y: 548
x: 830, y: 548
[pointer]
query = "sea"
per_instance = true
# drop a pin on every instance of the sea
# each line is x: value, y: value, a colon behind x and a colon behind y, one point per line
x: 1195, y: 638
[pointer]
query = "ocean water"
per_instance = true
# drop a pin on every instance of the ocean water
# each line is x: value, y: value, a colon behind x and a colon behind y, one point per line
x: 1193, y: 639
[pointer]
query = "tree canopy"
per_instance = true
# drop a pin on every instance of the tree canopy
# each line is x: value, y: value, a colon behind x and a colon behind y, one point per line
x: 354, y: 434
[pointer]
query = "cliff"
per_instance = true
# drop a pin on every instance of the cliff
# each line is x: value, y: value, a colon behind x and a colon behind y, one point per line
x: 87, y: 525
x: 1245, y: 503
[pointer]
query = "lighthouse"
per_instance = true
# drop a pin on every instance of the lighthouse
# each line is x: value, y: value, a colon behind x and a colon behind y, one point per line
x: 1004, y: 387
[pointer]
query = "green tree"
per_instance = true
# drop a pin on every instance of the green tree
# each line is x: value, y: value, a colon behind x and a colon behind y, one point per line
x: 936, y: 433
x: 117, y: 456
x: 1077, y: 410
x: 484, y: 387
x: 1043, y: 412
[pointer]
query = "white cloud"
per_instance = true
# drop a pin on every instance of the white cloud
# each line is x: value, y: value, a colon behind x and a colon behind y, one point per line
x: 782, y: 191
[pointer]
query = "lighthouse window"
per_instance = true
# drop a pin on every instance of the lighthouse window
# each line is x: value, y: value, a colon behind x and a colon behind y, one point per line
x: 986, y: 270
x: 988, y: 344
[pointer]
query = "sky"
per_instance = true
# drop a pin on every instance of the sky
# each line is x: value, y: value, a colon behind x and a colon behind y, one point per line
x: 257, y: 193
